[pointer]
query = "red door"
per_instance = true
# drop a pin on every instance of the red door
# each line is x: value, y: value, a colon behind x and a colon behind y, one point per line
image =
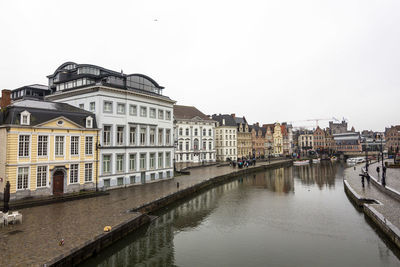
x: 58, y: 183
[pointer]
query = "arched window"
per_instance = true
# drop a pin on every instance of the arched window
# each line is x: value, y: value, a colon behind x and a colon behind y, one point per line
x: 180, y: 131
x: 196, y: 144
x: 187, y: 131
x: 195, y: 132
x: 204, y: 132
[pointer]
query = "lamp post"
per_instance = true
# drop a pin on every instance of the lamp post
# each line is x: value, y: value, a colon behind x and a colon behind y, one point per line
x: 366, y: 155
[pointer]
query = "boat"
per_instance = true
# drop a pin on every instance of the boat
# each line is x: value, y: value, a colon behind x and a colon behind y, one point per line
x: 351, y: 161
x: 316, y: 160
x: 301, y: 162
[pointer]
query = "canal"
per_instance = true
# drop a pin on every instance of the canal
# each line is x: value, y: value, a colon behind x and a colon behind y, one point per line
x: 295, y: 216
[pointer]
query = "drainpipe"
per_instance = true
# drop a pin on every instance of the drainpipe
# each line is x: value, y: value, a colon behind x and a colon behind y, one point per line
x: 97, y: 160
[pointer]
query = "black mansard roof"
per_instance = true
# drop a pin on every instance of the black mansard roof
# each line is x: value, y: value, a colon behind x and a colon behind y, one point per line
x: 34, y: 91
x: 43, y: 111
x: 71, y: 75
x: 224, y: 119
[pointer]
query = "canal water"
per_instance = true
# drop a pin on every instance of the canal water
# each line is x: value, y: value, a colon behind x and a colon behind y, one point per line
x: 295, y: 216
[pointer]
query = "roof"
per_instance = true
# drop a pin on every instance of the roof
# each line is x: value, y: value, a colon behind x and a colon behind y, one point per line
x: 43, y: 111
x: 240, y: 120
x: 257, y: 128
x: 188, y: 113
x: 229, y: 120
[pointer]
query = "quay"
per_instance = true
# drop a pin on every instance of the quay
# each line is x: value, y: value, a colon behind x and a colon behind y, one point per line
x: 80, y: 223
x: 381, y: 205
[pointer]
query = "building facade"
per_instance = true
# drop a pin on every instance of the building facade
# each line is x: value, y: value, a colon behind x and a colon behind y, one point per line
x: 194, y: 135
x: 225, y: 137
x: 348, y: 142
x: 278, y: 139
x: 258, y: 140
x: 47, y: 149
x: 392, y: 138
x: 244, y: 143
x: 136, y: 121
x: 306, y: 140
x: 319, y: 140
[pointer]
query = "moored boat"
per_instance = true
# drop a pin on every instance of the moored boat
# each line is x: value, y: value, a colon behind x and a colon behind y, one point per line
x: 300, y: 162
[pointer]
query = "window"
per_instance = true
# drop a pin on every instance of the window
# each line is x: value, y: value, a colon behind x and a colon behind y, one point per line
x: 142, y: 161
x: 168, y: 115
x: 132, y: 179
x: 132, y: 162
x: 89, y: 145
x: 82, y: 106
x: 41, y: 176
x: 160, y: 137
x: 120, y: 135
x: 152, y: 176
x: 161, y: 114
x: 88, y: 172
x: 143, y: 111
x: 160, y: 160
x: 120, y: 181
x: 73, y: 173
x: 106, y: 163
x: 25, y: 118
x: 180, y: 146
x: 132, y: 136
x: 204, y: 145
x: 92, y: 106
x: 120, y: 108
x: 152, y: 136
x: 107, y: 183
x: 107, y: 107
x: 160, y: 175
x: 22, y: 179
x: 42, y: 145
x: 168, y: 159
x: 23, y: 150
x: 142, y: 136
x: 187, y: 131
x: 204, y: 132
x: 210, y: 145
x: 187, y: 145
x: 152, y: 113
x: 74, y: 145
x: 180, y: 131
x: 210, y: 132
x: 196, y: 144
x: 152, y: 161
x: 168, y: 174
x: 195, y: 132
x: 106, y: 135
x: 168, y: 137
x: 59, y: 146
x: 89, y: 122
x: 120, y: 163
x: 133, y: 110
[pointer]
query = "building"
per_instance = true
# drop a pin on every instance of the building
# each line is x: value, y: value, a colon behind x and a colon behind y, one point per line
x: 337, y: 128
x: 329, y: 141
x: 225, y: 137
x: 348, y: 142
x: 47, y: 148
x: 289, y: 136
x: 278, y: 139
x: 319, y: 140
x: 38, y: 91
x: 306, y: 140
x: 194, y: 134
x: 258, y: 140
x: 269, y: 140
x: 136, y: 121
x: 244, y: 143
x: 392, y: 137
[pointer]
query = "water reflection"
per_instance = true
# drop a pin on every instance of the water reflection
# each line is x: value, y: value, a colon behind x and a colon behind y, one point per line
x: 253, y: 219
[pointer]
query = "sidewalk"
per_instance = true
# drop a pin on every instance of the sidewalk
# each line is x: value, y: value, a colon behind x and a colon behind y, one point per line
x: 392, y: 175
x: 35, y: 241
x: 387, y: 206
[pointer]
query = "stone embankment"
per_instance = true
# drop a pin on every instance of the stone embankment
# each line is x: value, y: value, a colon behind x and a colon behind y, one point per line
x: 380, y: 204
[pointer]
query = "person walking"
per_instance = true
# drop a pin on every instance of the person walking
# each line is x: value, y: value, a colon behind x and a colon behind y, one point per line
x: 377, y: 170
x: 384, y: 176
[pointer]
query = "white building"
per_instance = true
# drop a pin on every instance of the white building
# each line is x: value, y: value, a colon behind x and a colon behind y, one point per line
x: 225, y: 137
x: 136, y: 142
x: 194, y: 135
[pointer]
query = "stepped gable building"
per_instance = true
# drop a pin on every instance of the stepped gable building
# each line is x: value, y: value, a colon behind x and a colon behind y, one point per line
x: 244, y: 143
x: 278, y: 139
x: 269, y: 139
x: 136, y: 120
x: 258, y: 140
x: 194, y: 134
x: 225, y: 137
x: 319, y: 139
x: 48, y: 148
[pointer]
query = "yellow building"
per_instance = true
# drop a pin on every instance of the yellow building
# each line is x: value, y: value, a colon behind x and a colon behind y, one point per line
x: 278, y: 139
x: 47, y: 148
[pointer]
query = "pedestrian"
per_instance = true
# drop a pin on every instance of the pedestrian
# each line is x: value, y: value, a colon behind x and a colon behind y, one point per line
x: 377, y: 170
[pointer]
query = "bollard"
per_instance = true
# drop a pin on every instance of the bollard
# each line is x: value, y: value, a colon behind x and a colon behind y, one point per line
x: 177, y: 185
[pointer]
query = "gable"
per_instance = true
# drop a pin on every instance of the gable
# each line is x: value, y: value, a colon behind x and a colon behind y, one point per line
x: 60, y: 122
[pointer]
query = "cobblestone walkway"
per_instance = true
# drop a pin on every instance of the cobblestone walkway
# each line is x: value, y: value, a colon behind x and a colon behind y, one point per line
x: 390, y: 207
x: 392, y: 175
x: 35, y: 241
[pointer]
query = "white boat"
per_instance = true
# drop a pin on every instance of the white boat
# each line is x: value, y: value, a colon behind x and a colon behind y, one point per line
x: 351, y: 161
x: 301, y: 162
x: 316, y: 160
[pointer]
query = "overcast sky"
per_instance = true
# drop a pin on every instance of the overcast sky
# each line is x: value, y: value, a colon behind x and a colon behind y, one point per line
x: 268, y: 60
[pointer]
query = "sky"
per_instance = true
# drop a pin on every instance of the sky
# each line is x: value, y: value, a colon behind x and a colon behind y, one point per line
x: 286, y: 60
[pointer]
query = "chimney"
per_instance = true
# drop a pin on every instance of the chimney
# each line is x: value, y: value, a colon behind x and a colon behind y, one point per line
x: 223, y: 121
x: 233, y: 115
x: 5, y: 98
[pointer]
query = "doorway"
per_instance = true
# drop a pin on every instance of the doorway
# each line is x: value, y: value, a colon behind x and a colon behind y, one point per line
x: 58, y: 183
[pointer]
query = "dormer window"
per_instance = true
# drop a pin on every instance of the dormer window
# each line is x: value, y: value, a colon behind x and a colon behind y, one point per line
x: 89, y: 122
x: 25, y: 118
